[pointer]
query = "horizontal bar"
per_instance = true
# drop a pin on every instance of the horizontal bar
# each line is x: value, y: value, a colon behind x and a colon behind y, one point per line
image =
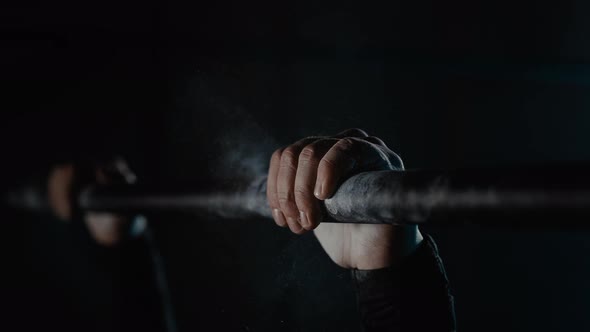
x: 521, y: 196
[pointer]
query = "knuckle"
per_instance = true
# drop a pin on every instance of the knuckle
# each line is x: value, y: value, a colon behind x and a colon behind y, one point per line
x: 375, y: 140
x: 273, y: 202
x: 357, y: 132
x: 287, y: 203
x: 289, y: 156
x: 309, y: 153
x: 328, y: 164
x: 288, y: 166
x: 276, y: 155
x: 346, y: 144
x: 271, y: 197
x: 306, y: 206
x: 283, y: 200
x: 303, y: 197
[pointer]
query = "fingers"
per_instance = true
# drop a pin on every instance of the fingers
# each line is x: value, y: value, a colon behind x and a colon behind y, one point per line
x: 59, y: 190
x: 109, y: 229
x: 310, y: 170
x: 375, y: 140
x: 339, y: 161
x: 281, y: 186
x: 307, y: 203
x: 286, y: 187
x: 271, y: 188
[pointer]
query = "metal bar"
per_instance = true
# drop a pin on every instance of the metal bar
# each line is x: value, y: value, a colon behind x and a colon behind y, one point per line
x: 522, y: 196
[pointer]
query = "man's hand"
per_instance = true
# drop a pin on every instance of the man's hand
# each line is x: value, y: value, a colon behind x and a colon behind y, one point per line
x: 303, y: 174
x: 107, y: 229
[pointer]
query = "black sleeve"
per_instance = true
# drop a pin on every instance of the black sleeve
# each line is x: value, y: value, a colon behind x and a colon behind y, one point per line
x: 409, y: 297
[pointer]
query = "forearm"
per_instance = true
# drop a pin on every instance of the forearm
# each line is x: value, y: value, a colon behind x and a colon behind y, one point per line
x: 410, y: 296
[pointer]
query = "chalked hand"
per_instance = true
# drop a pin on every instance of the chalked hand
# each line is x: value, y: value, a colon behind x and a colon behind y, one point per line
x: 308, y: 171
x: 106, y: 228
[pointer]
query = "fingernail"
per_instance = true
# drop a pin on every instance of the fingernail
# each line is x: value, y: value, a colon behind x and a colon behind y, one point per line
x: 318, y: 190
x: 279, y: 217
x: 303, y: 217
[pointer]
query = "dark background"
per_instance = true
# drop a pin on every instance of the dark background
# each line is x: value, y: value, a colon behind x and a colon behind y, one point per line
x: 208, y: 89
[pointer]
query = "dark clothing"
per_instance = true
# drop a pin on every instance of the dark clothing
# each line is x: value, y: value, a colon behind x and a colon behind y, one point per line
x: 412, y: 296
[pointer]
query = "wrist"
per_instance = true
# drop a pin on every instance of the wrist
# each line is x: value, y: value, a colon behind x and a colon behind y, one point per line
x: 389, y: 248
